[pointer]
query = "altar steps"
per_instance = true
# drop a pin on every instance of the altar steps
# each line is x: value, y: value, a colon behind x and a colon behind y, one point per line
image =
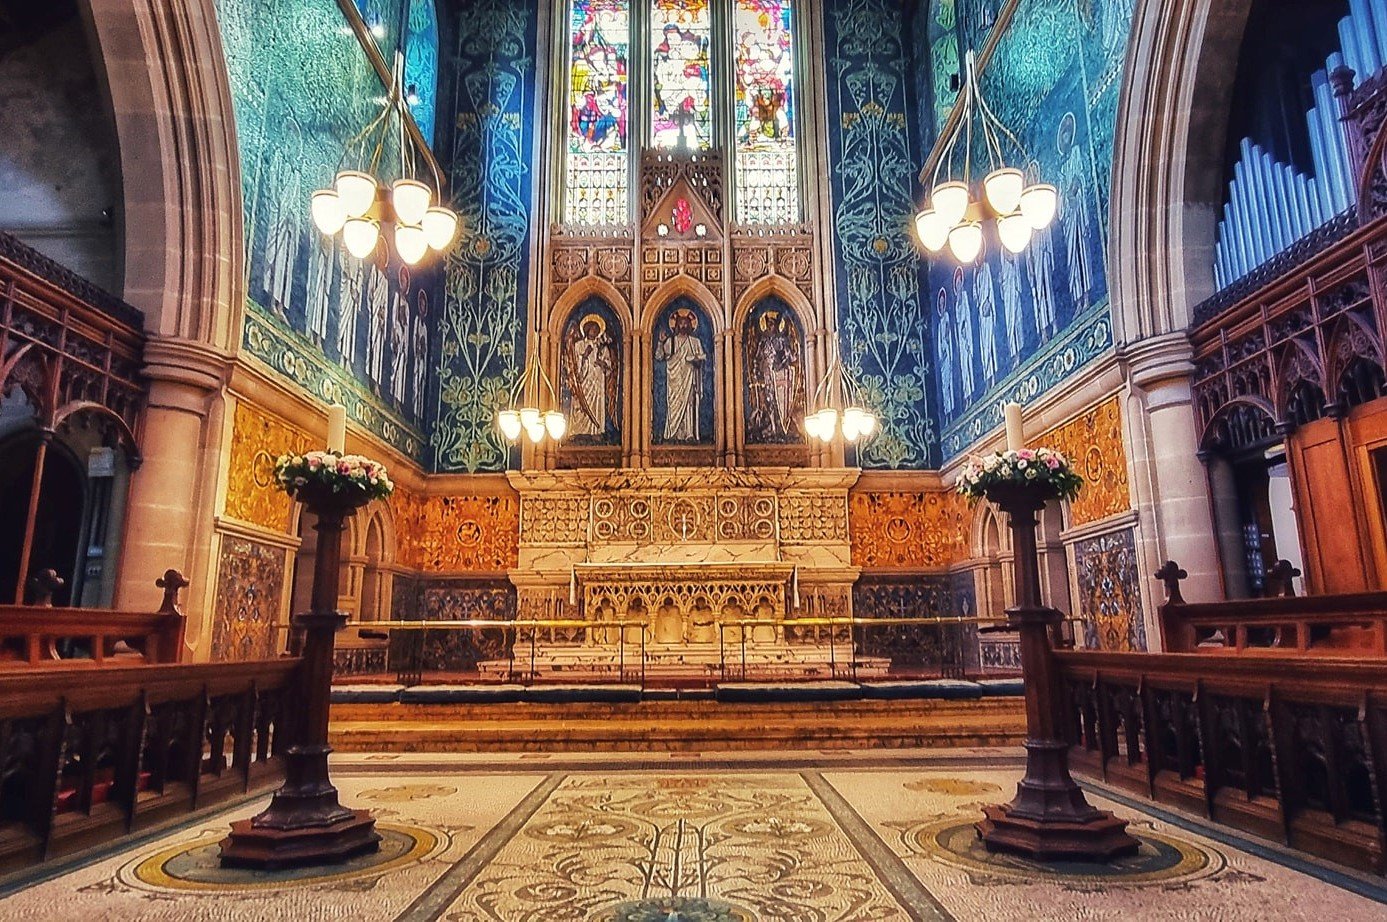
x: 676, y: 726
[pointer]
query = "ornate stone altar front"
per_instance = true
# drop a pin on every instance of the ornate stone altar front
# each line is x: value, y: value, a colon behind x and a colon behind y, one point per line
x: 684, y: 553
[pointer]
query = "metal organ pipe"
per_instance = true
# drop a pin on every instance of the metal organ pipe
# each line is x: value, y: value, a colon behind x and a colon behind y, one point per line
x: 1365, y: 27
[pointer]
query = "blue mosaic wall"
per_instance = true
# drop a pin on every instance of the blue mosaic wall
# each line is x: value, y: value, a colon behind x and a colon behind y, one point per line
x: 1015, y: 327
x: 489, y: 161
x: 885, y: 332
x: 358, y: 332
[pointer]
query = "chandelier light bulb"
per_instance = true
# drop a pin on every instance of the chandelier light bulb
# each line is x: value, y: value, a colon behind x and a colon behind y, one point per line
x: 1014, y: 231
x: 1039, y: 204
x: 411, y: 243
x: 1003, y: 188
x: 868, y: 424
x: 359, y: 235
x: 965, y: 242
x: 811, y: 426
x: 932, y: 230
x: 411, y: 200
x: 509, y: 423
x: 555, y: 424
x: 828, y: 423
x: 535, y: 433
x: 950, y: 202
x: 440, y: 225
x: 356, y: 191
x: 530, y: 418
x: 326, y: 208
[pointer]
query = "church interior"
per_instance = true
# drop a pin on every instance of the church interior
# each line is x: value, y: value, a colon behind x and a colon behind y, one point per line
x: 693, y: 460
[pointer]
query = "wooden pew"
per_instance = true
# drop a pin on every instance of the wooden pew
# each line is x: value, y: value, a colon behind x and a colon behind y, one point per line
x: 41, y: 636
x: 1352, y: 626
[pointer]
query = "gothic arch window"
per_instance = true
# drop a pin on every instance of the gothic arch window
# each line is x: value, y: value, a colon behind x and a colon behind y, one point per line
x: 590, y: 374
x: 666, y: 61
x: 773, y: 378
x: 683, y: 361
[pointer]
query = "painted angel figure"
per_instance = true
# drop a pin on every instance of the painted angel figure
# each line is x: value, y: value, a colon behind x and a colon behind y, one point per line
x: 590, y: 369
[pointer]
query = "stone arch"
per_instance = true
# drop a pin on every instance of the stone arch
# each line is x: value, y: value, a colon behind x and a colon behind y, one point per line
x: 682, y: 286
x: 1168, y: 161
x: 590, y: 286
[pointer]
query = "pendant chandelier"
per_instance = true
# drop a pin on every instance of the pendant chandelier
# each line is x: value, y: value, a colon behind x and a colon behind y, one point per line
x: 825, y: 421
x: 1017, y: 205
x: 360, y: 206
x: 532, y: 419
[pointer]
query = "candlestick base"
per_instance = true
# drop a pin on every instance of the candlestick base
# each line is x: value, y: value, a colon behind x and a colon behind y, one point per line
x: 1050, y: 819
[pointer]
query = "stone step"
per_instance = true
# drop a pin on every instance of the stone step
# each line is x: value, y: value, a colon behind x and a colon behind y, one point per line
x: 676, y: 726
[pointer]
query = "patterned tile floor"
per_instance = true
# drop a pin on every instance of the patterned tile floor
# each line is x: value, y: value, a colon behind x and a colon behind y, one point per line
x: 871, y: 837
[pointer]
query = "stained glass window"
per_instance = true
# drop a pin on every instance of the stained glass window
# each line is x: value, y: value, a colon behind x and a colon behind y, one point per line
x: 596, y: 178
x: 767, y: 172
x: 680, y: 37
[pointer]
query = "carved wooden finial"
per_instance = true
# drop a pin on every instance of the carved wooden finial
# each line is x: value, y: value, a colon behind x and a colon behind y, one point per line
x: 171, y: 582
x: 42, y: 585
x: 1280, y: 578
x: 1171, y: 574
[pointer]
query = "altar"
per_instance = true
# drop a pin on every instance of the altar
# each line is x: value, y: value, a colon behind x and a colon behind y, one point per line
x: 686, y: 569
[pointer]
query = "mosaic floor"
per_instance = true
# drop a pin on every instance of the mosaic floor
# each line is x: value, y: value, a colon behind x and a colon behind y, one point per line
x: 869, y: 840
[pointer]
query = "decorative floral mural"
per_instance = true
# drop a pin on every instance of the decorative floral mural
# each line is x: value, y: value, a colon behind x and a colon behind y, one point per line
x: 1015, y: 326
x: 344, y: 330
x: 250, y: 582
x: 483, y: 323
x: 1110, y: 592
x: 885, y: 337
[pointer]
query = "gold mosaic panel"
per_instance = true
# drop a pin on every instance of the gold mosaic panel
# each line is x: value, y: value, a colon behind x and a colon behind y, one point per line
x: 456, y: 534
x: 256, y: 440
x: 1093, y: 443
x: 908, y: 530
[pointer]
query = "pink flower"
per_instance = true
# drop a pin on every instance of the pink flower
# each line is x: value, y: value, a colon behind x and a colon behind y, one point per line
x: 1026, y: 454
x: 1052, y: 463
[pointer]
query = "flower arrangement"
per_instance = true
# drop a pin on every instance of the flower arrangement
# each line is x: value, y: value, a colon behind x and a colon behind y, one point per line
x: 1042, y: 467
x: 349, y: 476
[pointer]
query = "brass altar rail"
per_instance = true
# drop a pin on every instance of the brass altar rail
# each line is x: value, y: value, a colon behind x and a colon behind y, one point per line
x: 407, y: 647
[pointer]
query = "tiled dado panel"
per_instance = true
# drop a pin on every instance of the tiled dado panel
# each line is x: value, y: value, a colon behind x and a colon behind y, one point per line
x: 456, y: 534
x: 1093, y: 443
x: 256, y: 440
x: 452, y: 600
x: 1110, y: 592
x: 250, y: 582
x: 908, y: 530
x: 949, y: 648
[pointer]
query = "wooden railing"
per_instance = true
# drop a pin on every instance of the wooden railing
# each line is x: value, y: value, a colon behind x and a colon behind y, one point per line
x: 83, y: 762
x: 43, y: 636
x: 1353, y: 625
x: 1285, y: 747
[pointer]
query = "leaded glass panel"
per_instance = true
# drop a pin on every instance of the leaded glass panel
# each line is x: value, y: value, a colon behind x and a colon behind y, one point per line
x: 680, y: 38
x: 598, y: 143
x: 766, y: 168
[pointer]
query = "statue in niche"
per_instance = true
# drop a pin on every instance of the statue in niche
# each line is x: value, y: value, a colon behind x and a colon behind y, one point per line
x: 679, y: 350
x: 773, y: 352
x: 591, y: 374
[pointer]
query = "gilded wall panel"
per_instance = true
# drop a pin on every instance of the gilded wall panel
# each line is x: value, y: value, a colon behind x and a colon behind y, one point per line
x: 1093, y: 443
x: 456, y: 534
x: 1110, y: 592
x: 256, y: 440
x: 908, y: 529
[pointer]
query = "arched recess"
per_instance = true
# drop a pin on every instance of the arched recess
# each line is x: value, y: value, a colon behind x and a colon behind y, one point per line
x: 162, y: 64
x: 1168, y: 167
x: 377, y: 556
x: 772, y: 374
x: 991, y: 544
x: 591, y: 375
x: 694, y: 435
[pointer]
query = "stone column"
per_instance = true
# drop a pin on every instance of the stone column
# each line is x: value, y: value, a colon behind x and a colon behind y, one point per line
x: 1170, y: 483
x: 169, y: 514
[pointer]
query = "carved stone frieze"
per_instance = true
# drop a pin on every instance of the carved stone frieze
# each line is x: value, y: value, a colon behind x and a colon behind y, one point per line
x: 787, y: 255
x: 662, y: 262
x: 662, y: 170
x: 573, y: 259
x: 813, y: 517
x: 684, y: 605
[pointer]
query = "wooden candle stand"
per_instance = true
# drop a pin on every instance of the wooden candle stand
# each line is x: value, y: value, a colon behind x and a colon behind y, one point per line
x: 304, y: 823
x: 1049, y: 817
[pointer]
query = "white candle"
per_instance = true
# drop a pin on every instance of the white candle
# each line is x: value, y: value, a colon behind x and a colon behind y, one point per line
x: 337, y: 428
x: 1015, y: 439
